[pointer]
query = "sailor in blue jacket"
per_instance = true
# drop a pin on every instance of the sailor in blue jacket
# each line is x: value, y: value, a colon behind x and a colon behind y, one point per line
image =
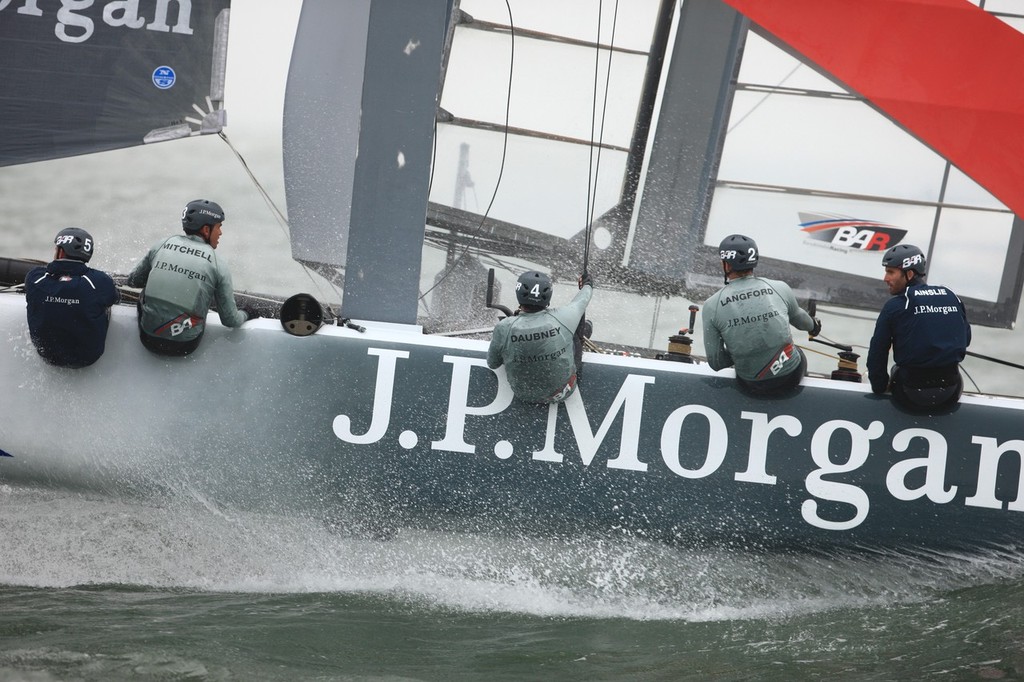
x: 69, y: 303
x: 926, y: 326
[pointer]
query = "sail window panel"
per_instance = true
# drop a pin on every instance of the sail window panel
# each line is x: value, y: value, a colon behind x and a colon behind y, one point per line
x: 632, y: 20
x: 1004, y: 6
x: 768, y: 66
x: 826, y: 144
x: 543, y: 184
x: 774, y: 219
x: 1016, y: 22
x: 552, y: 87
x: 969, y: 252
x: 963, y: 191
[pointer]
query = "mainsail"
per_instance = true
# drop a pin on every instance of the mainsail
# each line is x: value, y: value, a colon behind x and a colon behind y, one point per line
x: 108, y: 75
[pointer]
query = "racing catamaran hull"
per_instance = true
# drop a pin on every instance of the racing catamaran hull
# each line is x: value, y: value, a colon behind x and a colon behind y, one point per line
x: 390, y: 428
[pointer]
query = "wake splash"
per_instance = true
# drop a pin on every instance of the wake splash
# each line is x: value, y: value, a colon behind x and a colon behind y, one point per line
x: 59, y: 539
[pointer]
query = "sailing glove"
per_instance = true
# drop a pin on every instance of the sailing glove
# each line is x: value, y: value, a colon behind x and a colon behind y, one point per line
x: 586, y: 279
x: 817, y: 327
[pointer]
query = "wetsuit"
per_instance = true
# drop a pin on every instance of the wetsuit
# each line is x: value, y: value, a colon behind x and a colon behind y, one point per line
x: 926, y: 326
x: 542, y: 350
x: 747, y: 324
x: 69, y: 311
x: 182, y: 277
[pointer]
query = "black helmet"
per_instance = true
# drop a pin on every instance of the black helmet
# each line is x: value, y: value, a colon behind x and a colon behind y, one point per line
x: 906, y: 257
x: 76, y: 242
x: 534, y: 289
x: 200, y: 212
x: 739, y: 251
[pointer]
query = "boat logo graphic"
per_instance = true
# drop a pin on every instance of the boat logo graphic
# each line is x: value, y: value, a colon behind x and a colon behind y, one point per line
x: 164, y: 77
x: 844, y: 233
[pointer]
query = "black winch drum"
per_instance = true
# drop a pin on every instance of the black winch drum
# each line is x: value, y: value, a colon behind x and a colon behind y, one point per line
x: 301, y: 315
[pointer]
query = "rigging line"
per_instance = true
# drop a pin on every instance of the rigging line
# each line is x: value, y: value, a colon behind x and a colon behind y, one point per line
x: 822, y: 336
x: 806, y: 349
x: 991, y: 359
x: 976, y: 387
x: 504, y: 153
x: 848, y: 315
x: 593, y: 123
x: 763, y: 99
x: 282, y: 221
x: 600, y: 146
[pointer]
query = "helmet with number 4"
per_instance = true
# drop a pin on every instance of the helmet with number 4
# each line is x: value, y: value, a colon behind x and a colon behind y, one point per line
x: 906, y: 257
x: 76, y: 243
x: 739, y: 251
x: 534, y: 289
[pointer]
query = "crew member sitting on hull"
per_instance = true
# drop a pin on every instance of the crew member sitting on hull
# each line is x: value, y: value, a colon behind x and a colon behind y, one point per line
x: 69, y: 303
x: 541, y: 347
x: 182, y: 276
x: 746, y: 324
x: 926, y: 326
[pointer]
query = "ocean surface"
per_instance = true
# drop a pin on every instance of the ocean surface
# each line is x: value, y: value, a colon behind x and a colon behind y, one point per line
x: 99, y: 588
x: 103, y: 588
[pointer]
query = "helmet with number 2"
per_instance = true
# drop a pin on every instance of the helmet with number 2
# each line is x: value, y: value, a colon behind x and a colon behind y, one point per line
x: 739, y: 251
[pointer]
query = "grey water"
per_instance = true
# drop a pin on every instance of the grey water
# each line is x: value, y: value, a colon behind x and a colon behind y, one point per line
x: 179, y: 588
x: 100, y: 588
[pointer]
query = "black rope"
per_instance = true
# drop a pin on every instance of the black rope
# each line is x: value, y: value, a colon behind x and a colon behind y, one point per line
x: 282, y: 221
x: 990, y: 359
x: 591, y: 180
x: 501, y: 169
x: 967, y: 374
x: 595, y: 168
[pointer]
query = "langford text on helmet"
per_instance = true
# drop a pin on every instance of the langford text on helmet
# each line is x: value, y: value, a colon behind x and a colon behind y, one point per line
x: 76, y: 19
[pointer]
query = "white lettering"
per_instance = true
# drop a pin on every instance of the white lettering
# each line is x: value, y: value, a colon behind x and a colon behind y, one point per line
x: 382, y: 394
x: 67, y: 17
x: 179, y: 327
x: 184, y: 22
x: 838, y: 492
x: 934, y: 486
x: 123, y: 13
x: 853, y: 237
x: 458, y: 403
x: 760, y: 429
x: 30, y: 8
x: 630, y: 399
x: 718, y: 441
x: 988, y: 468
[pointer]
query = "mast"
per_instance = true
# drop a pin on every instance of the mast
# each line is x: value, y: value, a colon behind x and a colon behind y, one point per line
x: 359, y: 120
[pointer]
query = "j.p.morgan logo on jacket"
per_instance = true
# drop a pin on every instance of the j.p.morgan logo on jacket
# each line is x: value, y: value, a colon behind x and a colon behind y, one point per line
x: 850, y: 234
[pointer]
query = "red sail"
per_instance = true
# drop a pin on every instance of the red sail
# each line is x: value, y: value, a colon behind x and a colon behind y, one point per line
x: 945, y: 70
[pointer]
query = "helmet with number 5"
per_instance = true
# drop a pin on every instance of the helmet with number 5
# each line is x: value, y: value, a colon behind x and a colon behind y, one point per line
x: 76, y: 243
x: 739, y: 251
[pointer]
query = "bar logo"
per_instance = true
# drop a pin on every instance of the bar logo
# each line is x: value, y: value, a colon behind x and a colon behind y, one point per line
x: 850, y: 234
